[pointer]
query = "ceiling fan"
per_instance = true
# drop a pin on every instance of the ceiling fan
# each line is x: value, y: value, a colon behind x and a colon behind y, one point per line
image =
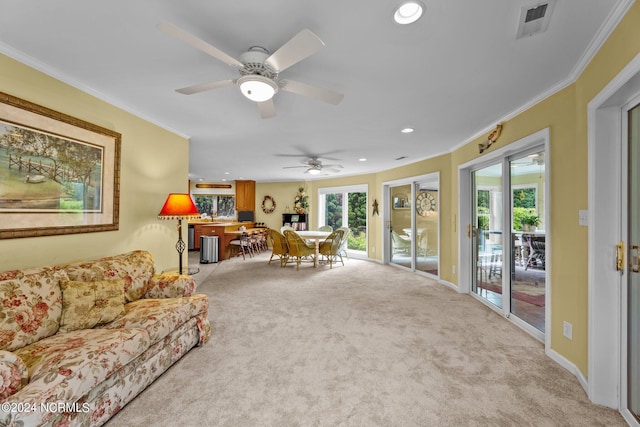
x: 259, y: 70
x: 315, y: 167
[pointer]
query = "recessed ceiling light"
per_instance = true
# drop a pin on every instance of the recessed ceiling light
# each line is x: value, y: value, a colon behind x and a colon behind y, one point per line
x: 408, y: 12
x: 362, y: 160
x: 407, y: 130
x: 224, y: 179
x: 226, y: 173
x: 201, y: 179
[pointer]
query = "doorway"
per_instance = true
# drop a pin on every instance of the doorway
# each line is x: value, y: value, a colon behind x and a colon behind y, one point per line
x: 503, y: 245
x: 631, y: 284
x: 613, y: 316
x: 412, y: 224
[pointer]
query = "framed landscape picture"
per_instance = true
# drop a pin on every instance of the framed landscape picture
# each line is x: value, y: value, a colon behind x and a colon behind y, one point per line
x: 58, y: 174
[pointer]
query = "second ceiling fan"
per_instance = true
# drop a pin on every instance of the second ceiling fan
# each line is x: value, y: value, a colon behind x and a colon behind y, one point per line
x: 259, y: 71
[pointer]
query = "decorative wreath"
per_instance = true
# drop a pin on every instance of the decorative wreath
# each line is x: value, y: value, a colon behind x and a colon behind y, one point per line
x: 268, y: 204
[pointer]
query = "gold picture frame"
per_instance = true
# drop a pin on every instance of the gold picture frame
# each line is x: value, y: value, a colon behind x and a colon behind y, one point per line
x: 58, y: 174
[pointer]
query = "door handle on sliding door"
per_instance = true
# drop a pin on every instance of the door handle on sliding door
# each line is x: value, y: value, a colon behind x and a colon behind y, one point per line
x: 634, y: 258
x: 620, y: 256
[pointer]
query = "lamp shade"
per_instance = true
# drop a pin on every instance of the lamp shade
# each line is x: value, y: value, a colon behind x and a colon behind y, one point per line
x: 179, y: 206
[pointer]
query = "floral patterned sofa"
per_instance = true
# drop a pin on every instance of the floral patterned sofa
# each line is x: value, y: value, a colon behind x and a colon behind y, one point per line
x: 79, y: 341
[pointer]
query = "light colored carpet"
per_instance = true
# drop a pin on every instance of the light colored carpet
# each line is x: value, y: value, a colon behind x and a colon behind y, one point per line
x: 359, y: 345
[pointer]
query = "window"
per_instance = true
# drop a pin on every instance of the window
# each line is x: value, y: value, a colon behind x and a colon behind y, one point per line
x: 215, y: 205
x: 346, y: 207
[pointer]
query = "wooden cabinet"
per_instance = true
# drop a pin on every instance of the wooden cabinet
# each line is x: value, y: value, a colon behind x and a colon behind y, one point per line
x: 245, y: 196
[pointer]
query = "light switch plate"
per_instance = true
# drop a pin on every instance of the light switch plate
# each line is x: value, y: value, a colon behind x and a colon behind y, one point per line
x: 583, y: 217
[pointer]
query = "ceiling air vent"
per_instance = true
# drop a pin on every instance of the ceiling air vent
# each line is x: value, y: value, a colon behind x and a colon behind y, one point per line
x: 534, y: 19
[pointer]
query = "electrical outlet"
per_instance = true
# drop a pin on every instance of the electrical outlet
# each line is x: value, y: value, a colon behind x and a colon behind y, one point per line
x: 373, y: 249
x: 453, y: 269
x: 567, y: 329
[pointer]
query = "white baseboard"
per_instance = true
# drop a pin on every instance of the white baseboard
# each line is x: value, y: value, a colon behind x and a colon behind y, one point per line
x: 449, y: 284
x: 569, y: 366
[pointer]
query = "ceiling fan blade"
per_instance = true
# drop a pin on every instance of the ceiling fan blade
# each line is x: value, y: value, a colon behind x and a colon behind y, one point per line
x: 190, y: 90
x: 316, y: 92
x: 301, y: 46
x: 267, y: 109
x: 194, y: 41
x: 305, y: 153
x: 294, y: 167
x: 333, y: 166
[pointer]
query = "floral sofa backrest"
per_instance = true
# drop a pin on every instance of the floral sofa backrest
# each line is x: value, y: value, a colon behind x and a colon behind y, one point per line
x: 136, y: 268
x: 31, y: 299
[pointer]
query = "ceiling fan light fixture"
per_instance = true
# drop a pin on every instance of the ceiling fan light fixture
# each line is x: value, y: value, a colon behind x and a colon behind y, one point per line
x: 257, y: 88
x: 408, y: 12
x: 314, y: 171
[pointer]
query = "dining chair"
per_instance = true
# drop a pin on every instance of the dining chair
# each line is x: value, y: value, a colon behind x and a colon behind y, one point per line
x: 242, y: 245
x: 325, y: 228
x: 279, y: 245
x: 400, y: 243
x: 330, y: 248
x: 537, y: 251
x: 345, y: 241
x: 285, y: 227
x: 298, y: 249
x: 495, y: 264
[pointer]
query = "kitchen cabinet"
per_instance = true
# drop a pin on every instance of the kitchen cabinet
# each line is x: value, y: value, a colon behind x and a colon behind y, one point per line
x: 245, y: 196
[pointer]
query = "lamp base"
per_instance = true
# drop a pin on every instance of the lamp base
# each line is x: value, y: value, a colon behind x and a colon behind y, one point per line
x: 190, y: 270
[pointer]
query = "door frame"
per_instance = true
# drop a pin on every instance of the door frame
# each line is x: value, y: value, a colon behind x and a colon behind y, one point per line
x: 386, y: 200
x: 465, y: 213
x: 606, y: 344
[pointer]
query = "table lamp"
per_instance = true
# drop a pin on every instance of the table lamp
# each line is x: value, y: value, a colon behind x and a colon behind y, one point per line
x: 179, y: 206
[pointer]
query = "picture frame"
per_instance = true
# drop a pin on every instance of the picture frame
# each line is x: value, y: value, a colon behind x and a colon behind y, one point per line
x: 400, y: 202
x: 58, y: 174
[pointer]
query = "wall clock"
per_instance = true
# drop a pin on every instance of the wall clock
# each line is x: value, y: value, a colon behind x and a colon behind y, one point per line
x: 425, y: 203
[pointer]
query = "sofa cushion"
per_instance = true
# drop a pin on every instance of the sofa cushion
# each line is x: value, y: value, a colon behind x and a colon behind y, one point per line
x: 64, y: 367
x: 31, y: 308
x: 87, y: 304
x: 159, y: 317
x: 136, y: 268
x: 13, y: 374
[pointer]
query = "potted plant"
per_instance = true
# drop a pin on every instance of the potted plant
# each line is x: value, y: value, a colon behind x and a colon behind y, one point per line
x: 530, y: 222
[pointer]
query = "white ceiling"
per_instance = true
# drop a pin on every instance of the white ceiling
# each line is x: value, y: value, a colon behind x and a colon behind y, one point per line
x: 452, y: 75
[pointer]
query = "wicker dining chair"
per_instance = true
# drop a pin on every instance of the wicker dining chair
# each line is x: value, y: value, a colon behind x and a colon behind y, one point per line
x: 279, y: 245
x: 298, y: 249
x: 345, y: 241
x: 325, y: 228
x: 330, y: 248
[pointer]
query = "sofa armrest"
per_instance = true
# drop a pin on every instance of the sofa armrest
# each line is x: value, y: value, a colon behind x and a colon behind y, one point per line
x: 13, y: 374
x: 170, y: 286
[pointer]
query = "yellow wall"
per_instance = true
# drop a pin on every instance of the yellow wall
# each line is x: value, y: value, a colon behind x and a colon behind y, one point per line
x: 155, y: 162
x: 283, y: 194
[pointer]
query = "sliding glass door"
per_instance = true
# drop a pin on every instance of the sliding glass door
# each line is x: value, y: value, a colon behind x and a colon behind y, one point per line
x: 528, y: 238
x: 633, y: 275
x: 486, y: 233
x: 412, y: 220
x: 425, y: 244
x: 507, y: 235
x: 400, y: 218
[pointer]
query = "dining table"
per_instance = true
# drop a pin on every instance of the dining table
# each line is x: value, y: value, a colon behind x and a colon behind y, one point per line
x: 315, y: 235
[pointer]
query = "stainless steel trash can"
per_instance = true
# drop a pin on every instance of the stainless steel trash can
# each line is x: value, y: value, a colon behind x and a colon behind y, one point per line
x: 208, y: 249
